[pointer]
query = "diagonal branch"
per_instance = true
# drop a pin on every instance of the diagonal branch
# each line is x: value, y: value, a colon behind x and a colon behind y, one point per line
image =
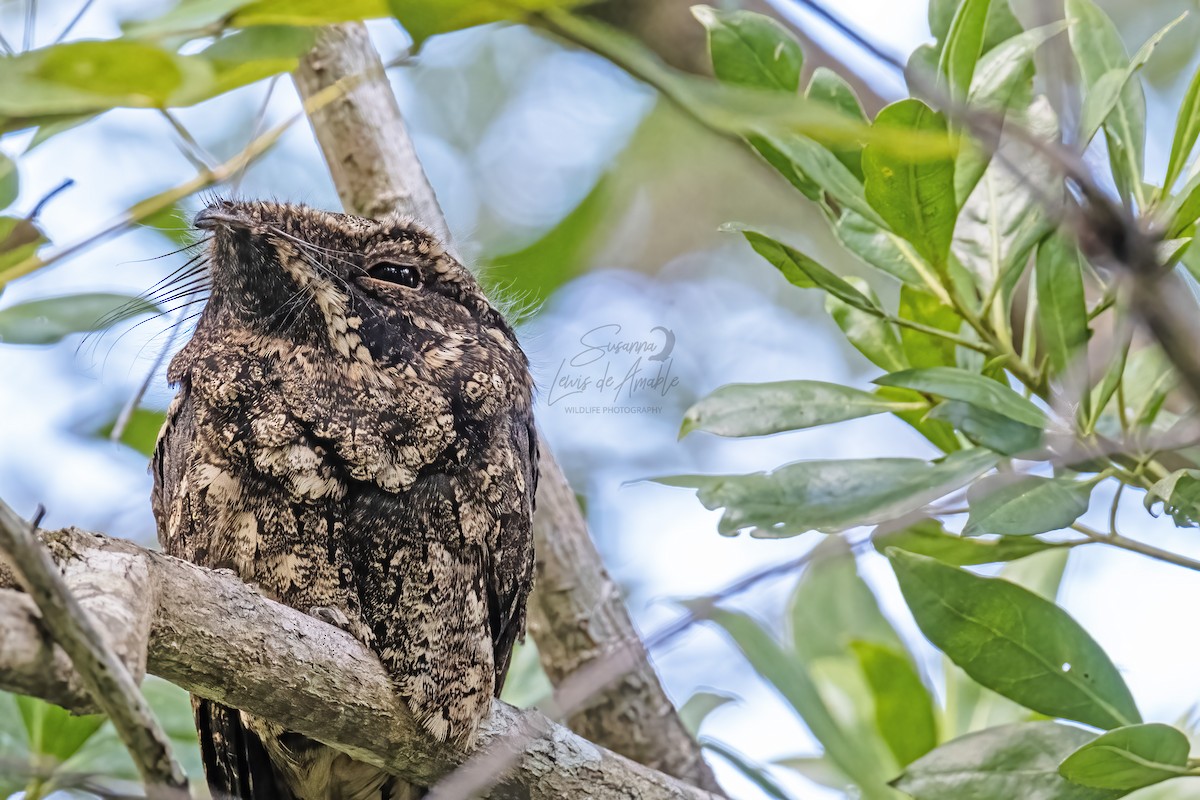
x: 576, y: 613
x: 218, y: 638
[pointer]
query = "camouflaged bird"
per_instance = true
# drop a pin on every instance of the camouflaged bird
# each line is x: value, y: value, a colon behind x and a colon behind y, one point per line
x: 353, y: 435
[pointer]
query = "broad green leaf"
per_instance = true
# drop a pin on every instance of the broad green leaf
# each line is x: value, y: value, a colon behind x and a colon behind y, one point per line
x: 696, y: 709
x: 757, y: 773
x: 9, y: 183
x: 318, y: 12
x: 794, y: 683
x: 1179, y: 494
x: 1002, y: 25
x: 1062, y: 308
x: 883, y: 250
x: 915, y: 197
x: 830, y: 496
x: 930, y: 538
x: 922, y: 349
x: 186, y: 17
x: 1024, y: 505
x: 49, y: 320
x: 904, y: 709
x: 940, y: 434
x: 1187, y: 128
x: 828, y: 87
x: 987, y: 428
x: 963, y: 45
x: 1098, y: 50
x: 751, y: 49
x: 1006, y: 762
x: 804, y: 272
x: 53, y: 731
x: 872, y: 336
x: 971, y: 388
x: 1014, y: 642
x: 1107, y: 90
x: 1129, y: 758
x: 1000, y: 72
x: 141, y: 432
x: 821, y: 165
x: 249, y: 56
x: 832, y: 606
x: 19, y: 239
x: 756, y: 409
x: 422, y: 18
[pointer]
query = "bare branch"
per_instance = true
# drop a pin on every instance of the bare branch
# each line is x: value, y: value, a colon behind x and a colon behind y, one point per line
x: 218, y: 638
x: 577, y: 615
x: 100, y: 670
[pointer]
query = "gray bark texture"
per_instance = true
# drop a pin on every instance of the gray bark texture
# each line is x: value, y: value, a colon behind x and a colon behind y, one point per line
x: 577, y: 615
x: 218, y: 638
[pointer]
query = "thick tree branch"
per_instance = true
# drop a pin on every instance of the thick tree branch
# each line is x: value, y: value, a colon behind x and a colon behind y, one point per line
x: 220, y: 639
x: 577, y: 614
x: 100, y: 670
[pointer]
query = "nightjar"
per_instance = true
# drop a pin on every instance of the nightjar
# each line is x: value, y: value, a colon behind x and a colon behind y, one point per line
x: 353, y: 434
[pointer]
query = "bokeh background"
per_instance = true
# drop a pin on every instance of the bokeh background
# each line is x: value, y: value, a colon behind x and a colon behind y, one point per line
x: 596, y: 210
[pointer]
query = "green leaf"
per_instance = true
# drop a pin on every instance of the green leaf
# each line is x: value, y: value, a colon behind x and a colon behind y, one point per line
x: 53, y: 731
x: 1187, y: 128
x: 1010, y: 761
x: 751, y: 49
x: 831, y: 496
x: 822, y: 166
x: 49, y: 320
x: 319, y: 12
x: 19, y: 239
x: 1014, y: 642
x: 827, y: 87
x: 904, y: 710
x: 883, y: 250
x: 1062, y: 308
x: 923, y: 349
x: 930, y: 538
x: 1129, y: 758
x: 756, y: 409
x: 804, y: 272
x: 1179, y: 493
x: 1001, y: 26
x: 939, y: 434
x: 872, y: 336
x: 173, y: 223
x: 141, y: 432
x: 915, y: 197
x: 963, y: 45
x: 796, y: 686
x: 9, y: 181
x: 971, y: 388
x: 249, y: 56
x: 697, y: 708
x: 1024, y: 505
x: 987, y: 428
x: 1000, y: 72
x: 1098, y: 50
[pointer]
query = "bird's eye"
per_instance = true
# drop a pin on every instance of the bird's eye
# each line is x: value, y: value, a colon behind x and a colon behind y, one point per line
x: 395, y: 273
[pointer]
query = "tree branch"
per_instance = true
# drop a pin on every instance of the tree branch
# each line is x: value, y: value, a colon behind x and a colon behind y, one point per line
x: 576, y: 612
x: 218, y: 638
x: 100, y: 671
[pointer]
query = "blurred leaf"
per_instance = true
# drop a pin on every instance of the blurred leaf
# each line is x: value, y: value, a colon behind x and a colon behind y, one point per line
x: 1099, y: 50
x: 904, y: 710
x: 916, y: 198
x: 1023, y: 505
x: 1014, y: 642
x: 1187, y: 128
x: 804, y: 272
x: 1129, y: 758
x: 830, y: 496
x: 1104, y: 94
x: 826, y: 86
x: 697, y: 708
x: 757, y: 773
x: 930, y: 538
x: 1011, y: 761
x: 882, y: 249
x: 875, y: 338
x: 1000, y: 72
x: 817, y: 769
x: 822, y: 166
x: 54, y: 731
x: 249, y: 56
x: 173, y: 223
x: 971, y: 388
x: 141, y: 432
x: 963, y: 44
x: 1001, y: 23
x: 751, y: 49
x: 1179, y: 493
x: 49, y: 320
x: 1061, y: 307
x: 756, y: 409
x: 1184, y: 208
x: 922, y: 349
x: 987, y: 428
x: 19, y: 239
x: 526, y: 682
x: 425, y: 18
x: 9, y: 181
x: 186, y: 17
x: 796, y: 686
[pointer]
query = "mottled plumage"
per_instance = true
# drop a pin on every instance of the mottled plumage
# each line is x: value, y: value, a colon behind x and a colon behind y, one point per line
x: 353, y: 435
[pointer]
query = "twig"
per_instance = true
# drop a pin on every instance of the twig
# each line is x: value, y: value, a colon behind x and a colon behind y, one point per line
x: 101, y: 672
x: 1132, y: 545
x: 191, y: 149
x: 83, y: 9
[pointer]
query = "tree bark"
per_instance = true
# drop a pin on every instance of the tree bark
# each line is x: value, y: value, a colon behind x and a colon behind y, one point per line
x: 218, y: 638
x: 577, y: 616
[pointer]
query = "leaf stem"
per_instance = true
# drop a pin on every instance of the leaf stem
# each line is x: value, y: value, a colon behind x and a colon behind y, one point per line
x: 1132, y: 545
